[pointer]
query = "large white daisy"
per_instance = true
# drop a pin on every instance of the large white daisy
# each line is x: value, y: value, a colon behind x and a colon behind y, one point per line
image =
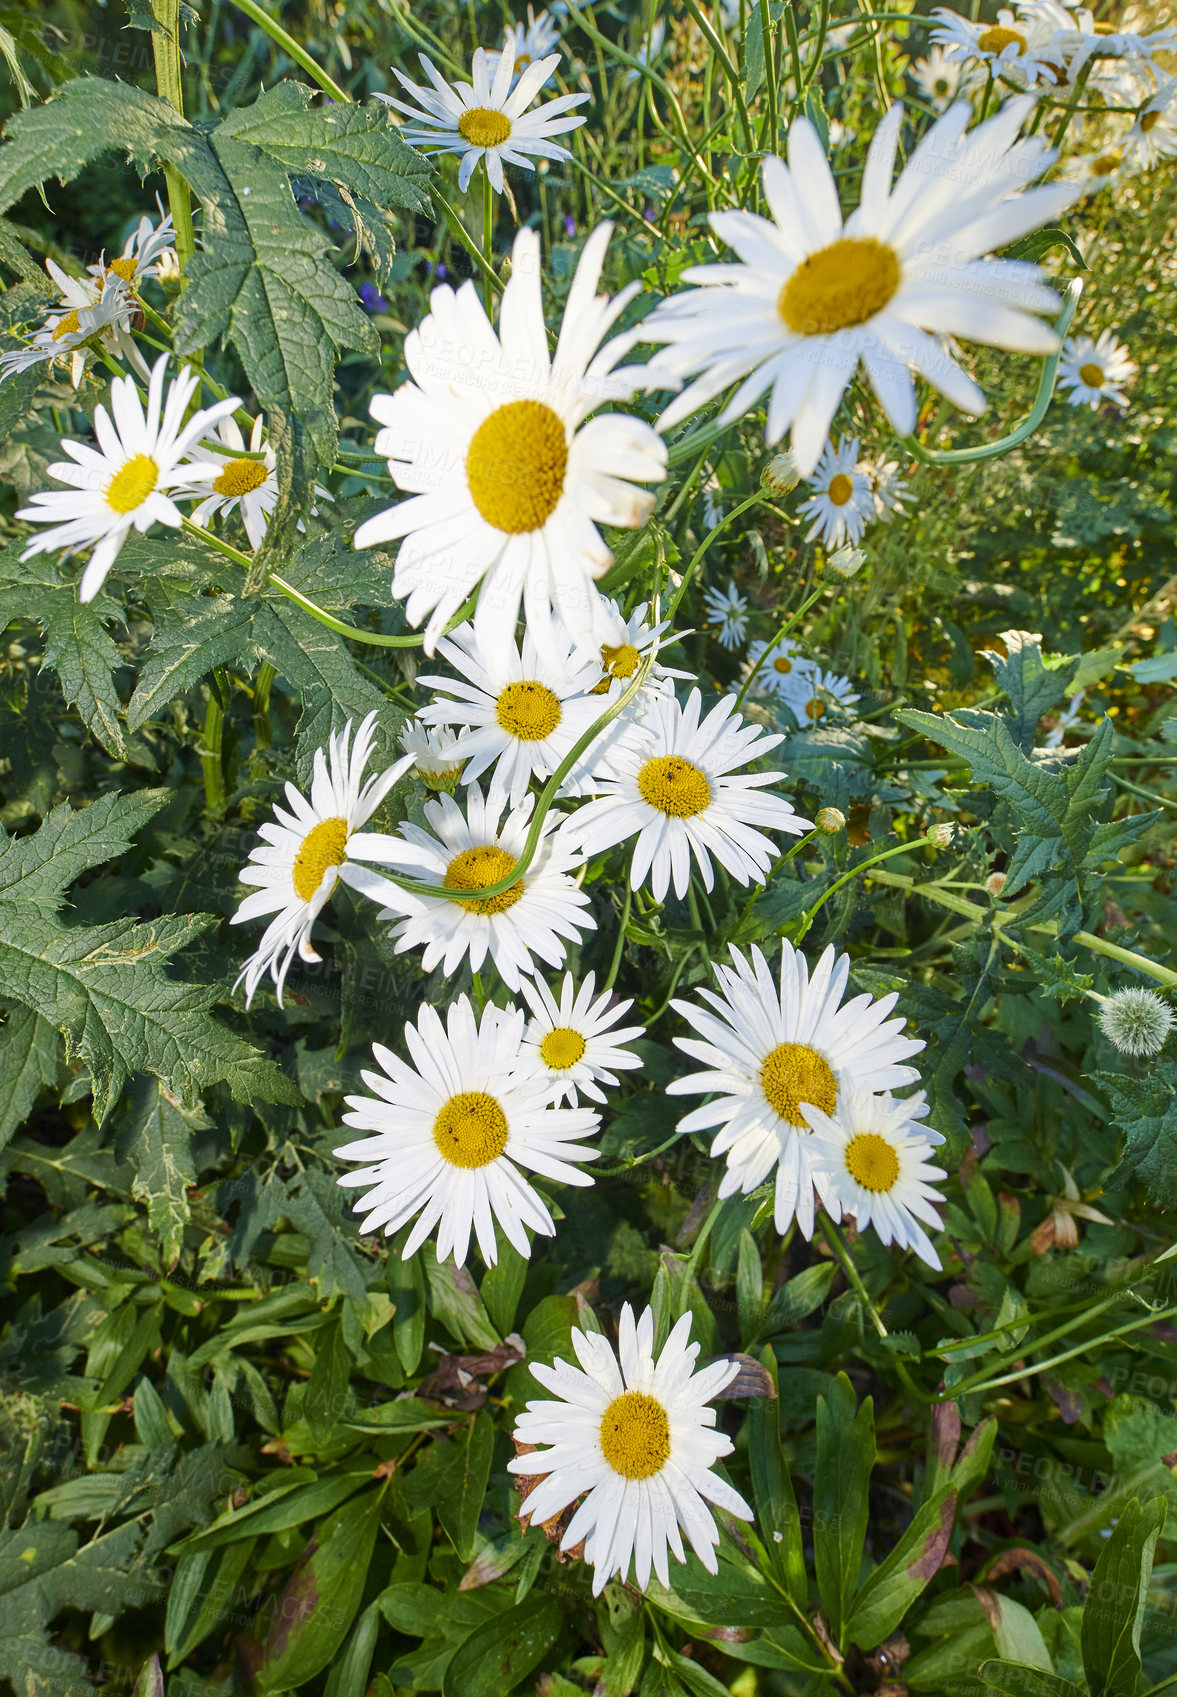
x: 508, y: 481
x: 451, y: 1131
x: 122, y: 484
x: 874, y: 1158
x: 814, y: 295
x: 1019, y: 48
x: 676, y: 788
x: 1153, y: 136
x: 573, y: 1042
x: 487, y: 118
x: 771, y: 1049
x: 842, y: 503
x: 637, y: 1436
x: 298, y: 863
x: 469, y: 851
x: 1095, y: 371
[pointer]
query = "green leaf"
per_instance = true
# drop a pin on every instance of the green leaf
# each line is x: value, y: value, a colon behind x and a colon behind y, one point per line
x: 321, y: 1598
x: 737, y: 1596
x: 903, y: 1574
x: 1032, y: 687
x: 158, y: 1140
x: 797, y: 1298
x: 841, y: 1481
x: 1015, y: 1679
x: 28, y: 1064
x: 502, y: 1286
x: 326, y: 1397
x: 406, y: 1287
x: 754, y: 45
x: 1145, y: 1110
x: 1040, y: 242
x: 36, y: 870
x: 749, y: 1285
x: 350, y: 1671
x: 451, y: 1479
x: 454, y: 1300
x: 204, y: 1588
x: 498, y: 1656
x: 1117, y: 1597
x: 772, y: 1489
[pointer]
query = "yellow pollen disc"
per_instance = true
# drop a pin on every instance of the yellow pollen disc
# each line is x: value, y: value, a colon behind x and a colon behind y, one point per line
x: 1149, y: 121
x: 839, y: 286
x: 482, y: 126
x: 840, y: 490
x: 1104, y: 29
x: 674, y: 786
x: 68, y: 326
x: 132, y: 484
x: 794, y: 1073
x: 783, y: 666
x: 620, y: 662
x: 815, y: 708
x: 562, y: 1048
x: 124, y: 268
x: 1092, y: 375
x: 323, y: 846
x: 997, y: 39
x: 528, y: 710
x: 635, y: 1435
x: 515, y: 466
x: 1106, y: 164
x: 240, y: 477
x: 471, y: 1130
x: 872, y: 1161
x: 474, y: 869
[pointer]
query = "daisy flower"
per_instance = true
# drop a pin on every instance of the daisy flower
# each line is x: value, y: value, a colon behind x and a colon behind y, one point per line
x: 85, y: 315
x: 451, y: 1131
x: 770, y: 1051
x: 629, y: 641
x: 775, y: 666
x: 1088, y: 38
x: 487, y: 119
x: 937, y: 77
x: 1153, y: 136
x: 1017, y: 47
x: 635, y: 1438
x: 729, y: 610
x: 433, y: 755
x: 873, y: 1157
x: 846, y: 562
x: 1095, y: 371
x: 468, y: 851
x: 520, y: 713
x: 122, y: 484
x: 843, y: 501
x: 508, y: 481
x: 571, y: 1041
x: 887, y: 487
x: 532, y: 40
x: 809, y: 692
x: 223, y: 481
x: 677, y: 790
x: 302, y: 852
x: 145, y: 253
x: 814, y: 295
x: 1066, y: 720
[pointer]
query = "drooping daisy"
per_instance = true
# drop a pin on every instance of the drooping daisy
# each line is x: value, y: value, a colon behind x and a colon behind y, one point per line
x: 145, y: 252
x: 843, y: 502
x: 572, y: 1041
x: 1017, y: 48
x: 469, y: 852
x: 813, y: 296
x: 298, y: 863
x: 122, y: 484
x: 637, y: 1436
x: 520, y: 712
x: 937, y: 77
x: 433, y: 755
x: 845, y: 562
x: 874, y: 1158
x: 487, y: 119
x: 729, y: 610
x: 811, y: 692
x: 1091, y: 38
x: 629, y: 640
x: 509, y: 482
x: 1153, y: 136
x: 223, y: 481
x: 1095, y: 371
x: 86, y: 315
x: 770, y: 1049
x: 532, y: 40
x: 775, y: 666
x: 451, y: 1131
x: 676, y: 788
x: 887, y: 487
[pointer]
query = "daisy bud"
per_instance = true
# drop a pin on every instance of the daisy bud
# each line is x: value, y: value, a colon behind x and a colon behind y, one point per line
x: 940, y: 835
x: 1137, y: 1021
x: 830, y: 820
x: 845, y: 561
x: 781, y: 475
x: 995, y: 883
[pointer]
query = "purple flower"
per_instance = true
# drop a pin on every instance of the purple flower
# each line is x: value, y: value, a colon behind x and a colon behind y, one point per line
x: 569, y: 225
x: 373, y: 300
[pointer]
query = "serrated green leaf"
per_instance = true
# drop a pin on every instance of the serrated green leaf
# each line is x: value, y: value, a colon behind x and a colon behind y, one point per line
x: 1146, y: 1114
x: 451, y: 1479
x: 28, y: 1063
x: 1031, y: 686
x: 158, y: 1141
x: 36, y: 870
x: 77, y: 646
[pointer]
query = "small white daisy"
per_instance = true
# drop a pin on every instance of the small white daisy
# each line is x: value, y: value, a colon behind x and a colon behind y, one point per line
x: 1103, y: 168
x: 532, y: 40
x: 676, y: 788
x: 649, y: 49
x: 85, y: 315
x: 1018, y: 48
x: 148, y: 250
x: 775, y: 666
x: 729, y: 610
x: 874, y: 1158
x: 487, y: 119
x: 888, y: 488
x: 521, y: 712
x: 298, y: 863
x: 843, y: 502
x: 769, y: 1050
x: 222, y: 481
x: 572, y: 1041
x: 508, y: 481
x: 937, y: 77
x: 469, y: 851
x: 1095, y: 371
x: 1153, y: 136
x: 813, y: 296
x: 811, y: 692
x: 122, y: 484
x: 433, y: 755
x: 628, y: 640
x: 1091, y: 38
x: 1066, y: 720
x: 635, y: 1438
x: 451, y: 1131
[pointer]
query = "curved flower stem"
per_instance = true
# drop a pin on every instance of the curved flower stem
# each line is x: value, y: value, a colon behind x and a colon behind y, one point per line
x: 979, y: 1382
x: 719, y: 48
x: 291, y: 47
x: 848, y: 878
x: 684, y: 1295
x: 489, y: 275
x: 783, y: 632
x: 727, y: 519
x: 626, y: 910
x: 846, y: 1261
x: 638, y: 1160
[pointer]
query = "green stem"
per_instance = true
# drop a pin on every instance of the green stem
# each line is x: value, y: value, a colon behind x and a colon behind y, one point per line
x: 261, y: 703
x: 834, y: 1238
x: 289, y: 46
x: 1076, y: 92
x: 719, y: 48
x: 979, y: 1382
x: 676, y: 598
x: 771, y: 125
x: 211, y: 743
x: 848, y: 878
x: 467, y: 240
x: 780, y: 635
x: 488, y: 240
x: 684, y: 1295
x: 626, y: 909
x: 165, y: 44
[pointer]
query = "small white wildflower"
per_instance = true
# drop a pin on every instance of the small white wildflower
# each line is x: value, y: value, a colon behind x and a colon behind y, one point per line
x: 781, y: 474
x: 1137, y: 1021
x: 845, y: 561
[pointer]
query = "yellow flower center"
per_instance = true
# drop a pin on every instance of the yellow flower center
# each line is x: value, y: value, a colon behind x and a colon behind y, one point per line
x: 1150, y: 121
x: 1106, y: 163
x: 872, y: 1161
x: 783, y: 666
x: 635, y: 1435
x: 474, y: 869
x: 471, y: 1130
x: 132, y: 484
x: 528, y: 710
x: 323, y: 846
x: 1092, y: 375
x: 794, y: 1073
x: 562, y: 1048
x: 840, y: 490
x: 997, y: 39
x: 674, y: 786
x: 67, y: 326
x: 620, y: 662
x: 240, y: 477
x: 1103, y: 29
x: 839, y: 286
x: 515, y: 466
x: 482, y: 126
x: 814, y: 708
x: 124, y: 268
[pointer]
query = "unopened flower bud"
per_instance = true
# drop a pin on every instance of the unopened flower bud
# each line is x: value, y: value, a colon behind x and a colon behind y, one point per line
x: 830, y: 820
x: 995, y: 883
x: 940, y: 835
x: 845, y: 561
x: 780, y: 475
